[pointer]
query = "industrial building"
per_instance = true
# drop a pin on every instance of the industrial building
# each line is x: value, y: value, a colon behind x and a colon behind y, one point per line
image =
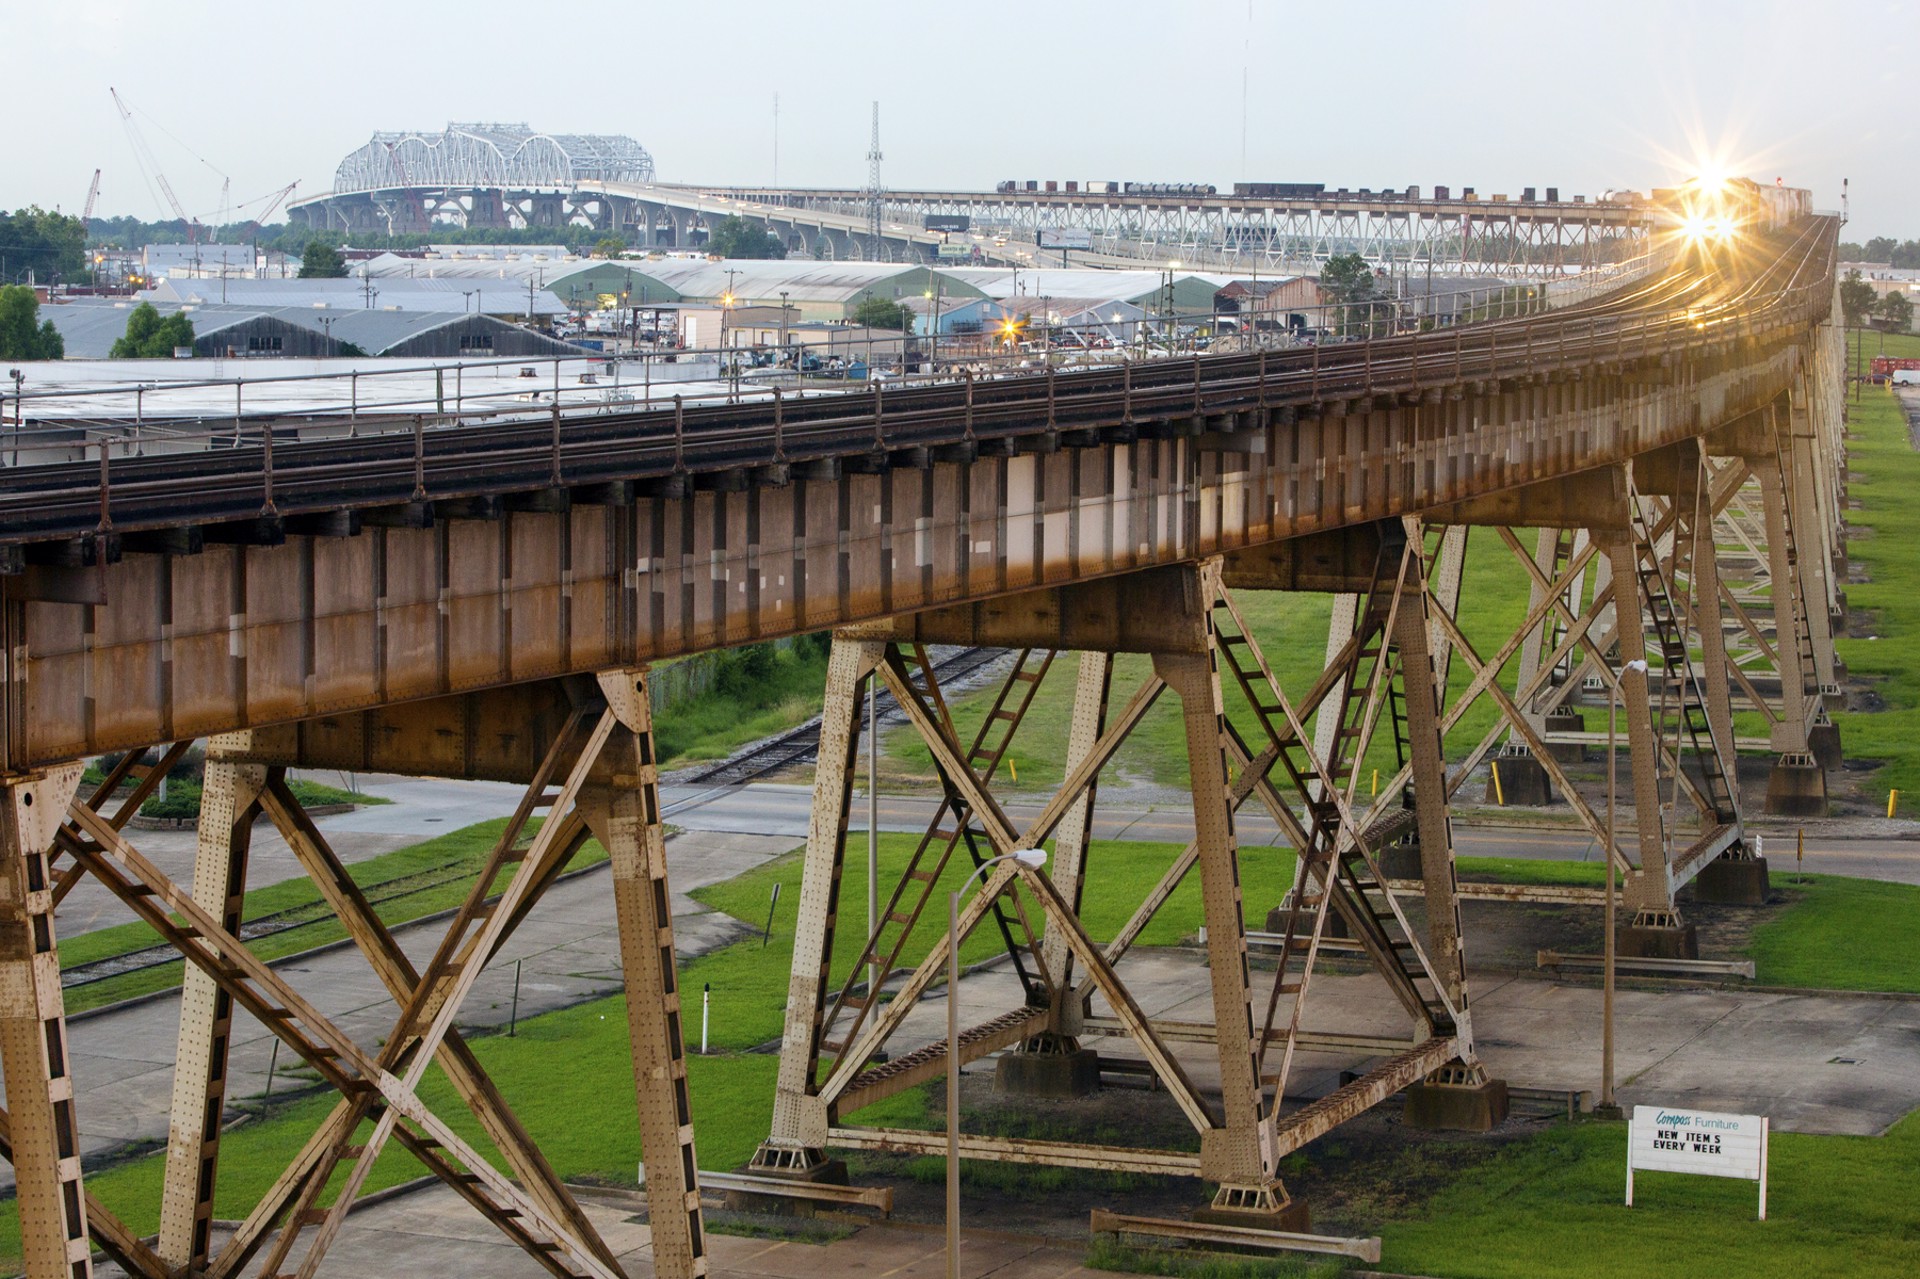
x: 362, y: 294
x: 821, y: 291
x: 1193, y: 292
x: 90, y: 329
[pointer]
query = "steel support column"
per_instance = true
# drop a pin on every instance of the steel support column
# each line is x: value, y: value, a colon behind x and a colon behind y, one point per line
x: 43, y: 1132
x: 229, y: 802
x: 799, y: 1132
x: 1069, y: 869
x: 1234, y: 1155
x: 622, y: 805
x: 1649, y: 889
x: 1426, y: 751
x: 1789, y: 627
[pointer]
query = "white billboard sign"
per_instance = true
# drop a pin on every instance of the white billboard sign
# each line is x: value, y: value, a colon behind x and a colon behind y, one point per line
x: 1702, y: 1142
x: 1065, y: 237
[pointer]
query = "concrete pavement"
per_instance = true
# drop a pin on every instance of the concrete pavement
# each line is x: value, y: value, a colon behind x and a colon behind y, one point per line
x: 436, y: 1235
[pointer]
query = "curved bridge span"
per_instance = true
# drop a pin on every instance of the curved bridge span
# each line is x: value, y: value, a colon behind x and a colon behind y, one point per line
x: 1662, y: 465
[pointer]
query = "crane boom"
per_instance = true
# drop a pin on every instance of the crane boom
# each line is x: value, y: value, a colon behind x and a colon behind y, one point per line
x: 273, y: 204
x: 93, y: 195
x: 143, y: 155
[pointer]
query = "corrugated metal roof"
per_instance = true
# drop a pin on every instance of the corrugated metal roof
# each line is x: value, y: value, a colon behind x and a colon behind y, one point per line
x: 802, y: 281
x: 1075, y: 282
x: 439, y: 296
x: 89, y: 329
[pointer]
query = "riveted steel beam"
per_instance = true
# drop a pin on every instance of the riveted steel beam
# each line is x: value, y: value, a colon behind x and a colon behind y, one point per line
x: 43, y: 1130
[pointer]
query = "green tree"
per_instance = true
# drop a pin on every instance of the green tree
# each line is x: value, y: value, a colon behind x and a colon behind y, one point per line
x: 1879, y: 249
x: 52, y: 246
x: 609, y: 246
x: 1347, y: 282
x: 149, y: 337
x: 321, y: 261
x: 735, y: 237
x: 23, y: 335
x: 1857, y: 300
x: 879, y: 313
x: 1897, y: 311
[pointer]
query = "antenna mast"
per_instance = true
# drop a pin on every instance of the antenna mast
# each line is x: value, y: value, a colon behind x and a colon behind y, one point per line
x: 873, y: 188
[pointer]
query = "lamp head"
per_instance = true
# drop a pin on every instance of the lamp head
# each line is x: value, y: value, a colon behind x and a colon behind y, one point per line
x: 1637, y: 664
x: 1032, y: 857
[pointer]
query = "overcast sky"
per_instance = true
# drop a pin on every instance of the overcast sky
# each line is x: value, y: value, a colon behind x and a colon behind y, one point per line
x: 1497, y: 95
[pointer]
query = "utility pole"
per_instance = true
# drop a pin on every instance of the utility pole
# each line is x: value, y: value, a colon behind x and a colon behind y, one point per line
x: 873, y: 188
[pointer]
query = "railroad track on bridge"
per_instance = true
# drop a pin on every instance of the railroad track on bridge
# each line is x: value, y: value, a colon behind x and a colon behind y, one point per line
x: 249, y: 486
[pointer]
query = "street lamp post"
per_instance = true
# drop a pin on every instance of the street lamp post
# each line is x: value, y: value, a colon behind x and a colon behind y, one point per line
x: 1032, y: 857
x: 933, y: 329
x: 1608, y: 1106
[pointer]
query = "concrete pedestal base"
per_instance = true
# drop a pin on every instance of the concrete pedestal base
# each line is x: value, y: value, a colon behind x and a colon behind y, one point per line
x: 1565, y: 721
x: 1726, y: 882
x: 1823, y: 740
x: 1797, y: 789
x: 1657, y: 943
x: 1055, y: 1076
x: 831, y: 1173
x: 1523, y: 782
x: 1401, y: 861
x: 1457, y: 1107
x: 1336, y: 923
x: 1291, y: 1216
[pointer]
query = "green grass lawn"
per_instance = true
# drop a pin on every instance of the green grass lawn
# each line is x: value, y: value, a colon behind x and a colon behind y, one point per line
x: 1883, y: 643
x: 783, y: 692
x: 1841, y: 934
x: 1550, y: 1208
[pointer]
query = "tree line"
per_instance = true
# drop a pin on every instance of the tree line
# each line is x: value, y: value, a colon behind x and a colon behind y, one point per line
x: 1883, y: 250
x: 48, y: 248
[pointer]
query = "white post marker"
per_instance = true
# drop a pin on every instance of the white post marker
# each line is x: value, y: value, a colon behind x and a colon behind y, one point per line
x: 1701, y: 1142
x: 706, y: 1007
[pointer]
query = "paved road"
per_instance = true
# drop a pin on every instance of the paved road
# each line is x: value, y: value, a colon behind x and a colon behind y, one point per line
x: 769, y: 808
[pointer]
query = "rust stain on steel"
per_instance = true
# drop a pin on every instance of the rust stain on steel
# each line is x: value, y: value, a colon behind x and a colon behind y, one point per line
x: 1317, y: 1118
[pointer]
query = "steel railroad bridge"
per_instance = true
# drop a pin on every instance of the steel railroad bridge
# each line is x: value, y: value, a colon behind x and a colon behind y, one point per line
x: 1222, y: 232
x: 1662, y: 465
x: 1236, y: 232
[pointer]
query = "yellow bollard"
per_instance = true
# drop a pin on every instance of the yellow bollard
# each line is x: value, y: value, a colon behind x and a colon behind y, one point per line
x: 1013, y: 768
x: 1499, y: 791
x: 1374, y: 789
x: 1893, y: 797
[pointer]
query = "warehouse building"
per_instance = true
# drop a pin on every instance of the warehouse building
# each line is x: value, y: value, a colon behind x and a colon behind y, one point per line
x: 90, y: 329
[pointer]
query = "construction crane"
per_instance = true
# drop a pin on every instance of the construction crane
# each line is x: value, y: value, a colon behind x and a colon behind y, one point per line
x: 93, y: 195
x: 273, y: 205
x: 150, y: 167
